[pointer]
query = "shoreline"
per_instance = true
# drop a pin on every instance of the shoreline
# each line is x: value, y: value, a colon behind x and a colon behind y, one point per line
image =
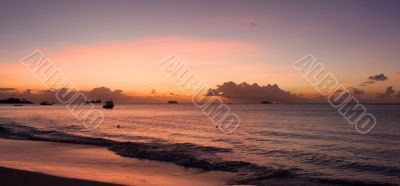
x: 74, y: 163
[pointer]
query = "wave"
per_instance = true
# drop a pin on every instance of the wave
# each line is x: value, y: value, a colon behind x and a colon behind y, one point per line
x: 337, y: 162
x: 183, y: 154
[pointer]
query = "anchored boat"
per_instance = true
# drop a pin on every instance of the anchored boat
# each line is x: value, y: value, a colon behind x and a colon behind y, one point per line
x: 46, y: 103
x: 108, y: 104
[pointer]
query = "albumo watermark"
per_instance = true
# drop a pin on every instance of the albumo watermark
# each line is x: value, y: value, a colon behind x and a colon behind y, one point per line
x: 65, y: 92
x: 212, y: 106
x: 337, y: 95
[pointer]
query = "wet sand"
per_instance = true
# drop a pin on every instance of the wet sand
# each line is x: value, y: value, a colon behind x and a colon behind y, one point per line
x: 60, y: 163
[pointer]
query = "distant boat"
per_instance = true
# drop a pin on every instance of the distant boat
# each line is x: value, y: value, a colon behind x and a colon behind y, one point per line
x: 108, y: 104
x: 46, y: 103
x: 172, y: 102
x: 266, y: 102
x: 95, y: 101
x: 18, y: 105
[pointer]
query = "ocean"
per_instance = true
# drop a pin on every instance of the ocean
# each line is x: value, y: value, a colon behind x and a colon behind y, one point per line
x: 311, y: 143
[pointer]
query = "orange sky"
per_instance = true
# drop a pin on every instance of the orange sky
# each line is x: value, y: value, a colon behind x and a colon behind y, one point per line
x: 119, y: 44
x: 132, y: 65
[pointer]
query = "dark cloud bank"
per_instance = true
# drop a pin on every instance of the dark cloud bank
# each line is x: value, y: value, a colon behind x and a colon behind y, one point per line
x: 255, y: 93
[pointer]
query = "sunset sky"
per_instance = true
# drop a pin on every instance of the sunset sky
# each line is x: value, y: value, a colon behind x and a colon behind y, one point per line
x: 118, y: 44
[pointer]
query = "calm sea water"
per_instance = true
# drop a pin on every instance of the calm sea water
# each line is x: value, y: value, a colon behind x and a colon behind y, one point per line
x: 312, y: 139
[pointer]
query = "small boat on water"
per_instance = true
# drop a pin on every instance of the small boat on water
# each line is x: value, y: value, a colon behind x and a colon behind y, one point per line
x: 95, y: 101
x: 108, y: 104
x: 18, y: 105
x: 172, y: 102
x: 46, y: 103
x: 268, y: 102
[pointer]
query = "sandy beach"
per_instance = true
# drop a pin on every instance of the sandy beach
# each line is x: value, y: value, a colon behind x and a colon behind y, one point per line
x: 49, y: 163
x: 12, y: 177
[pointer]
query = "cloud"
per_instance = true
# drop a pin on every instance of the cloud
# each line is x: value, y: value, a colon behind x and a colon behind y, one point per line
x: 7, y: 89
x: 372, y: 79
x: 365, y: 83
x: 105, y: 93
x: 356, y: 91
x: 255, y: 93
x: 389, y: 92
x: 210, y: 92
x: 379, y: 77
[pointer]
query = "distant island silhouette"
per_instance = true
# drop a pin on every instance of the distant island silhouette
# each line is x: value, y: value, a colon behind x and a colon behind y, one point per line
x: 172, y: 102
x: 15, y: 101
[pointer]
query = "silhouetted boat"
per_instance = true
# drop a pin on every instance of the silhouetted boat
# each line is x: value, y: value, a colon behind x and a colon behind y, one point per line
x: 172, y: 102
x: 267, y: 102
x: 46, y: 103
x: 18, y: 105
x: 108, y: 104
x: 95, y: 101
